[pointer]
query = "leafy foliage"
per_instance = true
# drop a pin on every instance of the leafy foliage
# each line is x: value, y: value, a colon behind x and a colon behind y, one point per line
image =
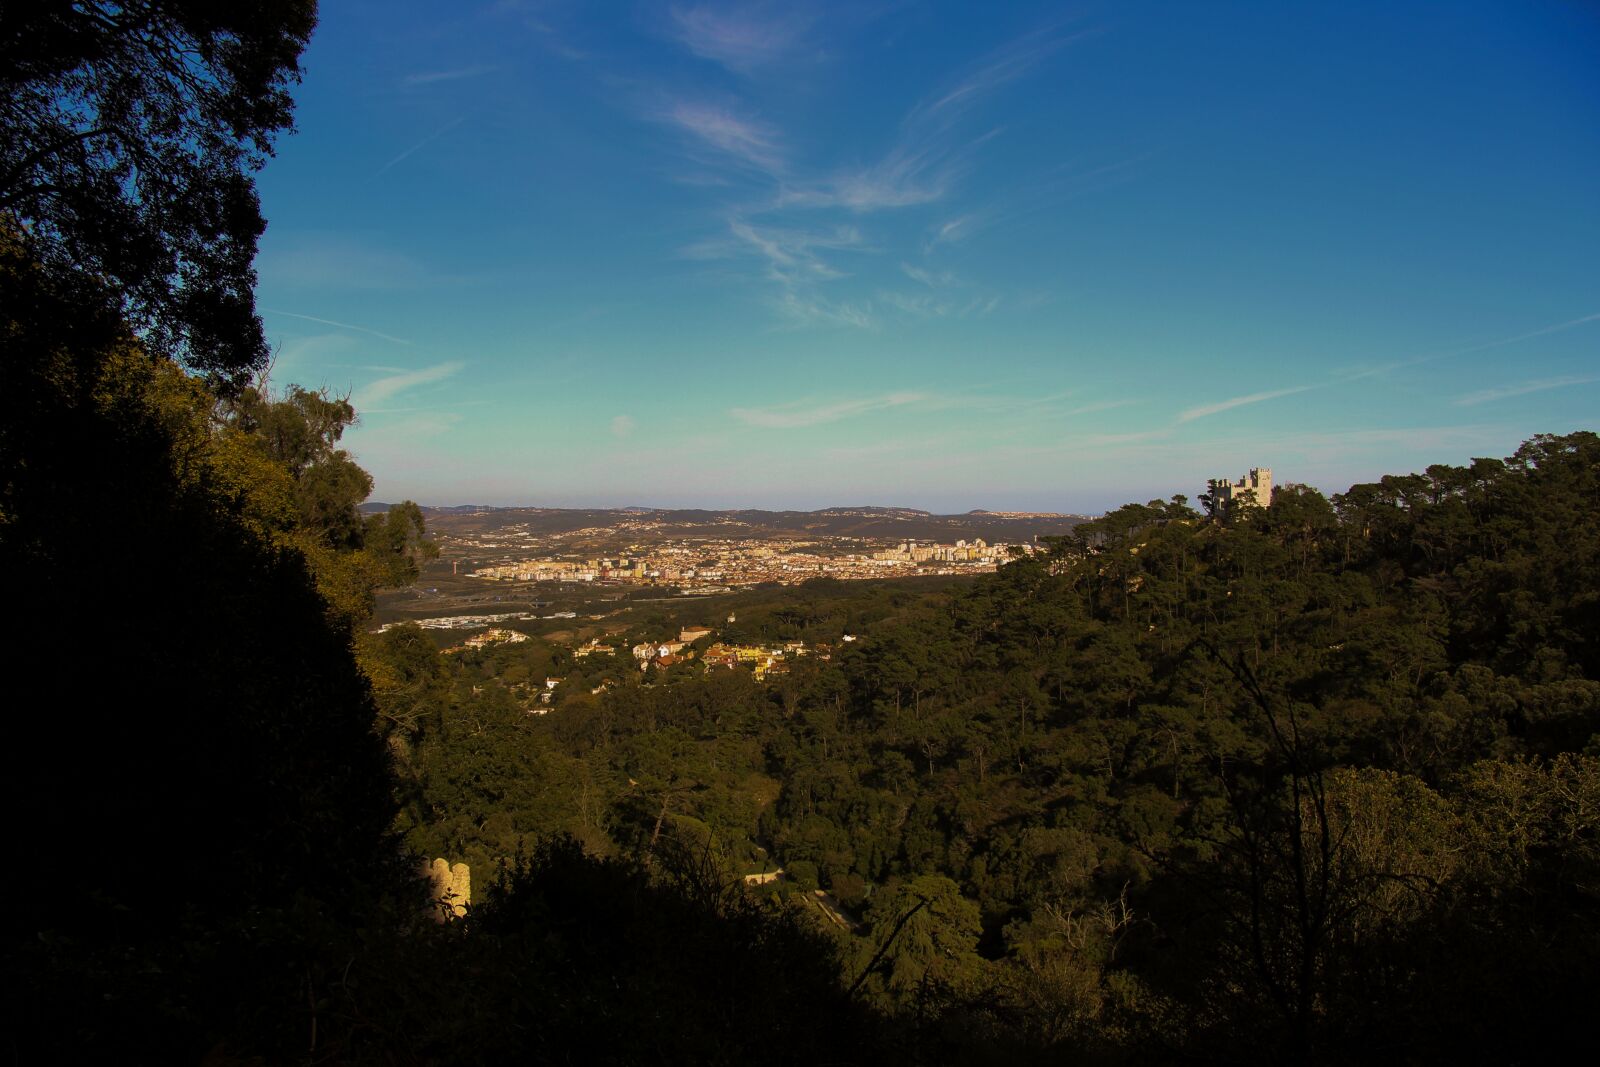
x: 128, y: 134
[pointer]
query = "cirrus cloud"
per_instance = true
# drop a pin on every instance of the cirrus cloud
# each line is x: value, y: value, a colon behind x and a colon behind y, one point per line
x: 370, y: 398
x: 1238, y: 402
x: 792, y: 417
x: 1505, y: 392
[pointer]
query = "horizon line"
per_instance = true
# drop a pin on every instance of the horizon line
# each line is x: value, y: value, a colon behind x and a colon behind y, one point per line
x: 999, y: 512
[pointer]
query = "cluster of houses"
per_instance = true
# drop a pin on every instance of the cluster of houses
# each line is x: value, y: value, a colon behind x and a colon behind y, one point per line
x: 489, y: 637
x: 669, y: 653
x: 763, y: 660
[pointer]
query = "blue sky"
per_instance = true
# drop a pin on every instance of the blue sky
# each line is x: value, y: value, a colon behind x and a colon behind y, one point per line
x: 1040, y: 256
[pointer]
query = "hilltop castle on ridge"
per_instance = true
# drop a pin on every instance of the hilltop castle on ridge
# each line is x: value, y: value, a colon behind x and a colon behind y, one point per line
x: 1257, y: 486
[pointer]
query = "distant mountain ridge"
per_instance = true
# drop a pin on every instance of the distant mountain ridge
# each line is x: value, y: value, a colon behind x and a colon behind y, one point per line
x: 875, y: 512
x: 375, y: 507
x: 867, y: 522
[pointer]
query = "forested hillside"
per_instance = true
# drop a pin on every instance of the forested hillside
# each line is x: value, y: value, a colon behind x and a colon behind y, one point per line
x: 1320, y: 778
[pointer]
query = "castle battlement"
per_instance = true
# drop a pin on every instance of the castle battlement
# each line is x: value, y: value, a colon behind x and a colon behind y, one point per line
x: 1255, y: 486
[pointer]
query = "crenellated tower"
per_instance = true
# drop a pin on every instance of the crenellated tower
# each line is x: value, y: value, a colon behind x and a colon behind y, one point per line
x: 1255, y: 486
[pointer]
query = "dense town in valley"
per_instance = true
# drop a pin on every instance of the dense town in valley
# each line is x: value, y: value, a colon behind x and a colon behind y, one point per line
x: 705, y: 551
x: 753, y: 562
x: 589, y: 581
x: 695, y: 550
x: 502, y: 566
x: 610, y: 589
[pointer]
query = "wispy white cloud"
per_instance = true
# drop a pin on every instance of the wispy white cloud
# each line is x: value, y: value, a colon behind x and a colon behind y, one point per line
x: 791, y: 417
x: 432, y: 137
x: 746, y: 140
x: 371, y: 398
x: 1369, y: 372
x: 340, y: 325
x: 905, y: 177
x: 928, y: 305
x: 927, y: 157
x: 740, y: 37
x: 922, y: 163
x: 552, y: 23
x: 1530, y: 335
x: 1538, y: 385
x: 932, y: 279
x: 1483, y: 396
x: 1002, y: 66
x: 432, y: 77
x: 555, y: 40
x: 792, y: 255
x: 622, y: 426
x: 1238, y: 402
x: 952, y: 231
x: 1064, y: 183
x: 819, y: 311
x: 793, y: 259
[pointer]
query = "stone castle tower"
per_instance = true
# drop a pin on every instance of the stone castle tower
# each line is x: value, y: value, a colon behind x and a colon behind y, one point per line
x: 1256, y: 486
x: 450, y: 888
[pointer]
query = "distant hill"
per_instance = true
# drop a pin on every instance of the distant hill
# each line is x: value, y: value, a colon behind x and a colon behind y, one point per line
x: 866, y: 521
x: 374, y: 507
x: 1025, y: 514
x: 904, y: 513
x: 866, y: 511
